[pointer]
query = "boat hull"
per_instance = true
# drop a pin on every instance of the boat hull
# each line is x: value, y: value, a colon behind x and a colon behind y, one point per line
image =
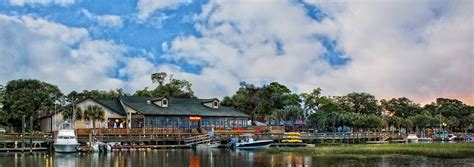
x: 254, y: 145
x: 204, y: 146
x: 65, y: 148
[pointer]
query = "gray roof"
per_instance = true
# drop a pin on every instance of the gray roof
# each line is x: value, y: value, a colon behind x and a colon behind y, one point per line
x: 179, y: 106
x: 113, y: 105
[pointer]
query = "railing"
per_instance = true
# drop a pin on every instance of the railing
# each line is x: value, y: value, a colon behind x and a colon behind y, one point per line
x: 27, y: 136
x: 133, y: 131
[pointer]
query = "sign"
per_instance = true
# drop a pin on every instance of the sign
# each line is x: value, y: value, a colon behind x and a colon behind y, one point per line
x: 194, y: 118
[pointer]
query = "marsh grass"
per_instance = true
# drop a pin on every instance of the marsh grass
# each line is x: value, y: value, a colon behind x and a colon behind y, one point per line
x: 435, y: 150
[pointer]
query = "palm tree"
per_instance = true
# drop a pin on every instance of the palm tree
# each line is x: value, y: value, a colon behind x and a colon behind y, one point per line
x: 94, y: 113
x: 69, y: 112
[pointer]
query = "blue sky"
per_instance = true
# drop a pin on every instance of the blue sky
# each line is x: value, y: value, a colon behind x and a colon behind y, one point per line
x: 338, y: 46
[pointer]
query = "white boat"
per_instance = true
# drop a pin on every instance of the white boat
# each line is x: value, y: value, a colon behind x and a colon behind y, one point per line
x: 412, y: 138
x: 451, y: 137
x: 65, y: 141
x: 207, y: 145
x: 249, y: 143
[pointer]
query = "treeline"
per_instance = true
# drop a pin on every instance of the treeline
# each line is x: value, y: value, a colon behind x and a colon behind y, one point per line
x: 352, y: 112
x: 272, y: 102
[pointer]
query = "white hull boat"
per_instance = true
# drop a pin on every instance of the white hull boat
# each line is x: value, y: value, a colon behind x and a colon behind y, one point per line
x: 207, y: 145
x: 249, y: 143
x: 65, y: 141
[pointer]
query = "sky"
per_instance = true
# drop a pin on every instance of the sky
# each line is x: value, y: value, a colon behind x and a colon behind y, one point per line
x: 390, y: 48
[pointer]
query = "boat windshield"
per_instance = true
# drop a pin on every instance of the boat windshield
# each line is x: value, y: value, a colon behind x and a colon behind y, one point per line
x: 66, y: 137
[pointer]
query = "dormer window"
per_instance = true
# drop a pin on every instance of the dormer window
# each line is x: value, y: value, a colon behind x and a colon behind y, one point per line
x: 162, y: 102
x: 165, y: 102
x: 216, y: 104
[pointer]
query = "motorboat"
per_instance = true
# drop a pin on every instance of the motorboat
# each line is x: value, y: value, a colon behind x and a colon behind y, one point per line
x: 412, y: 138
x: 451, y: 137
x: 249, y: 143
x: 65, y: 141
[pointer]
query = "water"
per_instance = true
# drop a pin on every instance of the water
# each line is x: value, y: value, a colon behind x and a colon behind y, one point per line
x: 214, y: 157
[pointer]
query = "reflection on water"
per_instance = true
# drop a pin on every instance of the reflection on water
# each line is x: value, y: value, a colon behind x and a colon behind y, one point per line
x: 214, y: 157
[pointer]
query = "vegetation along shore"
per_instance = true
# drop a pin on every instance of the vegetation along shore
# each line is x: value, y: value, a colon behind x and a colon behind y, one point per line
x: 434, y: 150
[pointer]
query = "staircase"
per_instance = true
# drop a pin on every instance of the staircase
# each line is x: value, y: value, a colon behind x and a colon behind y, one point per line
x: 198, y: 139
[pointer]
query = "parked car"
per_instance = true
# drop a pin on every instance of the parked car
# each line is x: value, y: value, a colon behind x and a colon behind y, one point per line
x: 2, y: 130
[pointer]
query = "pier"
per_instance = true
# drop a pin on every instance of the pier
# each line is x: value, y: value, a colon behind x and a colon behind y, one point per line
x: 172, y: 138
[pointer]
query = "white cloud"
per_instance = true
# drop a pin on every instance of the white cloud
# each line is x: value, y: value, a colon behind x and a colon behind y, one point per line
x: 417, y: 49
x: 36, y: 48
x: 42, y: 2
x: 421, y: 50
x: 243, y: 47
x: 104, y: 20
x: 148, y: 7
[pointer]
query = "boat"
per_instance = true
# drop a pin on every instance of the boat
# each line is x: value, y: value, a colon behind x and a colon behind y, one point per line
x: 248, y: 143
x: 208, y: 145
x: 451, y: 137
x: 469, y: 138
x: 65, y: 141
x: 412, y: 138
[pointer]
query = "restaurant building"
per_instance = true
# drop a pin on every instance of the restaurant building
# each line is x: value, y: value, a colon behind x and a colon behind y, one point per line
x: 175, y: 114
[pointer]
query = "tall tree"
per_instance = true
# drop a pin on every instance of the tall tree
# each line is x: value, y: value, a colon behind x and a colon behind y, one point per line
x: 312, y: 100
x: 28, y: 98
x: 94, y: 113
x: 248, y: 100
x: 173, y: 88
x: 360, y: 103
x: 279, y: 101
x: 158, y: 77
x: 401, y: 107
x: 68, y: 112
x: 332, y: 109
x: 3, y: 115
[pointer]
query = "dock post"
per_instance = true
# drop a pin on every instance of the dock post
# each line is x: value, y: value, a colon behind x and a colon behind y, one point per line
x: 31, y: 134
x: 23, y: 133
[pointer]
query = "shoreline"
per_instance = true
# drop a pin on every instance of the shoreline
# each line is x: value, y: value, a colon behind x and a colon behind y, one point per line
x: 432, y: 150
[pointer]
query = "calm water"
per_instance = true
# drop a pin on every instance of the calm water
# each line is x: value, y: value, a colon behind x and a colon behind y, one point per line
x: 213, y: 157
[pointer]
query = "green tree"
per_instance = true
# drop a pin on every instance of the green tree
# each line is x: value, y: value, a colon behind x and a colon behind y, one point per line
x: 226, y: 101
x: 68, y: 112
x: 3, y: 115
x: 374, y: 122
x: 318, y: 120
x: 312, y: 100
x: 277, y: 100
x: 248, y: 100
x: 158, y: 77
x: 173, y: 88
x: 360, y: 103
x: 96, y: 94
x: 333, y: 110
x: 292, y: 112
x: 394, y: 121
x: 401, y: 107
x: 28, y: 97
x: 422, y: 121
x: 94, y: 113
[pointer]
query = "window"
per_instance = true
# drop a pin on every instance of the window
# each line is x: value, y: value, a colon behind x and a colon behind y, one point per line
x: 216, y: 104
x: 165, y: 102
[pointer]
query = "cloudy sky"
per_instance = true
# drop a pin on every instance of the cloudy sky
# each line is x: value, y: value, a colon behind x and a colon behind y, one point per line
x: 389, y: 48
